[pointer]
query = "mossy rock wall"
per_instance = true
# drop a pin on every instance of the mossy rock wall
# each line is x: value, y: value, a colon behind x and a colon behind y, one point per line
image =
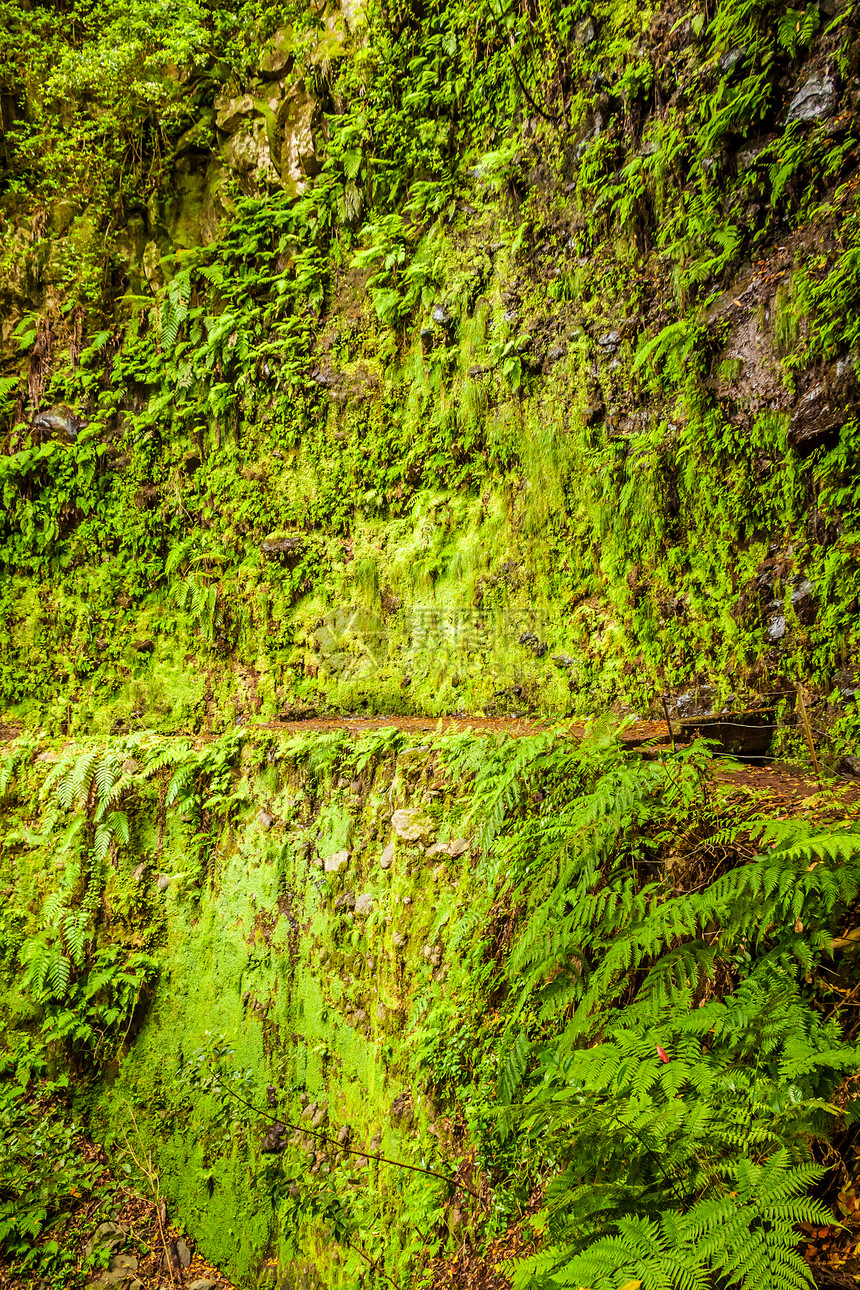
x: 328, y: 954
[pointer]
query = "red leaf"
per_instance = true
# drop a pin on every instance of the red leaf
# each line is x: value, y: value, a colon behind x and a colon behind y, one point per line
x: 662, y: 1054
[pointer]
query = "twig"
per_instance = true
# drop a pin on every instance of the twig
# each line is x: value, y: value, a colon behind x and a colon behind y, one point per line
x: 369, y: 1260
x: 807, y: 730
x: 368, y: 1155
x: 668, y: 722
x: 152, y: 1178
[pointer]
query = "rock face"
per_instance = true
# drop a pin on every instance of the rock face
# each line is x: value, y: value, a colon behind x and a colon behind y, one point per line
x: 815, y: 101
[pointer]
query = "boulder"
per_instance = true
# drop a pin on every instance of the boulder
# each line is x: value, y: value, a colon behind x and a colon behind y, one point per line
x: 814, y: 101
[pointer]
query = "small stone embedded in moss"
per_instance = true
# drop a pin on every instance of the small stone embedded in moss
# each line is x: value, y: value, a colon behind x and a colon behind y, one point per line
x: 387, y: 858
x: 411, y: 824
x: 334, y: 863
x: 364, y: 903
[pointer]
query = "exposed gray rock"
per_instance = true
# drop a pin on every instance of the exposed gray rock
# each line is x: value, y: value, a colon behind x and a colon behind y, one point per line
x: 364, y: 904
x: 776, y: 629
x: 850, y: 766
x: 815, y: 101
x: 441, y: 316
x: 106, y: 1237
x: 298, y: 117
x: 398, y: 940
x: 58, y: 422
x: 163, y: 881
x: 609, y: 342
x: 411, y: 824
x: 387, y: 858
x: 265, y: 820
x: 345, y: 901
x: 139, y: 871
x: 381, y: 1012
x: 336, y: 862
x: 183, y: 1253
x: 232, y: 110
x: 277, y: 58
x: 203, y: 1284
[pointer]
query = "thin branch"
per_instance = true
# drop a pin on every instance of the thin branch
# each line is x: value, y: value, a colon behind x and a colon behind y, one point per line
x: 368, y: 1259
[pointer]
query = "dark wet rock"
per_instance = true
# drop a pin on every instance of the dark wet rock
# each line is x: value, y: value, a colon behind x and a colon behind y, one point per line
x: 555, y: 354
x: 815, y: 101
x: 846, y: 682
x: 730, y: 60
x: 58, y: 422
x: 816, y: 417
x: 143, y: 647
x: 402, y: 1111
x: 275, y: 1140
x: 585, y: 32
x: 146, y: 497
x: 803, y: 601
x: 850, y: 766
x: 562, y: 660
x: 609, y: 342
x: 441, y: 316
x: 776, y: 629
x: 278, y: 545
x: 537, y: 648
x: 427, y: 339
